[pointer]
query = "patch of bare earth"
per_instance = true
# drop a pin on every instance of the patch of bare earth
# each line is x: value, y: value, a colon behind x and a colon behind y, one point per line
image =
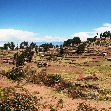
x: 48, y: 98
x: 63, y: 69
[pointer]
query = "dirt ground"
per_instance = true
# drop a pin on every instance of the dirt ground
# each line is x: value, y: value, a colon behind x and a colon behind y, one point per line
x: 63, y: 69
x: 48, y: 97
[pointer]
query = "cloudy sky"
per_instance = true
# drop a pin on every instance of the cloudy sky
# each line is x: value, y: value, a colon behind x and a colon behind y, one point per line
x: 53, y: 20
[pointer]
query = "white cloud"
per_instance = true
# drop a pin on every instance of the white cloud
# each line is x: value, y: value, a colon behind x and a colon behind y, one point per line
x: 107, y: 25
x: 17, y: 36
x: 84, y: 35
x: 102, y: 29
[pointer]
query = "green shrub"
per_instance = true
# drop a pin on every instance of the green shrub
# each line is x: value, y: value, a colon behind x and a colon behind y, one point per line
x: 15, y: 74
x: 52, y: 80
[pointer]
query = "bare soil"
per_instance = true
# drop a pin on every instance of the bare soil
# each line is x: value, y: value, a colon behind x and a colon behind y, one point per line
x: 47, y: 97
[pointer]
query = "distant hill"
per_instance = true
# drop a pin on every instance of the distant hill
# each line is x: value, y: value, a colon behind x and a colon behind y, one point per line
x: 54, y: 43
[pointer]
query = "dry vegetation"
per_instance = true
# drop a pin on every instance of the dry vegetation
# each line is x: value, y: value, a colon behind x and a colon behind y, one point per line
x: 57, y: 86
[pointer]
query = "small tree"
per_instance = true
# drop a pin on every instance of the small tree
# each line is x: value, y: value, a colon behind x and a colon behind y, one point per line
x: 76, y: 40
x: 5, y: 47
x: 32, y: 45
x: 69, y: 42
x: 61, y: 52
x: 19, y: 60
x: 23, y: 45
x: 81, y: 48
x: 11, y: 45
x: 105, y: 34
x: 46, y: 46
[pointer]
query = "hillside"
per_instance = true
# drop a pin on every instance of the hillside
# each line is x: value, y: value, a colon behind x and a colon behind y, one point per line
x: 67, y: 82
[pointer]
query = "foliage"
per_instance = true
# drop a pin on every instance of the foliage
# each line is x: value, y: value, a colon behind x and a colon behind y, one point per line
x: 19, y: 60
x: 23, y: 45
x: 15, y: 74
x: 5, y: 47
x: 36, y: 49
x: 46, y: 46
x: 65, y: 85
x: 38, y: 78
x: 52, y: 80
x: 48, y: 80
x: 76, y: 40
x: 105, y: 34
x: 91, y: 39
x: 81, y: 48
x: 12, y: 101
x: 26, y: 54
x: 30, y: 74
x: 85, y: 91
x: 61, y: 52
x: 11, y: 45
x: 32, y: 45
x: 69, y: 42
x: 15, y: 56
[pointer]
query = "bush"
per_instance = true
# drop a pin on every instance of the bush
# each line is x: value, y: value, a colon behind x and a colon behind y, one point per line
x: 48, y: 80
x: 38, y: 78
x: 12, y: 101
x: 15, y: 74
x: 64, y: 85
x: 52, y: 80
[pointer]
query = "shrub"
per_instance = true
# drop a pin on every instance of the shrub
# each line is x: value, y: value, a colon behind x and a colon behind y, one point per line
x: 15, y: 74
x: 67, y: 84
x: 43, y: 77
x: 52, y: 80
x: 12, y: 101
x: 64, y: 85
x: 38, y: 78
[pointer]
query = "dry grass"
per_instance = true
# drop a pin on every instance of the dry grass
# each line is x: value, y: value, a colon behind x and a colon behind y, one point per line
x: 69, y: 73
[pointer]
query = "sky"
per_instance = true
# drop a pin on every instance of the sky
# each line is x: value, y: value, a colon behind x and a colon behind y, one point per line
x: 53, y: 20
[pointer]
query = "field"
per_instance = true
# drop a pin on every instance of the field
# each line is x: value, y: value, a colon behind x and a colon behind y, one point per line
x: 95, y: 95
